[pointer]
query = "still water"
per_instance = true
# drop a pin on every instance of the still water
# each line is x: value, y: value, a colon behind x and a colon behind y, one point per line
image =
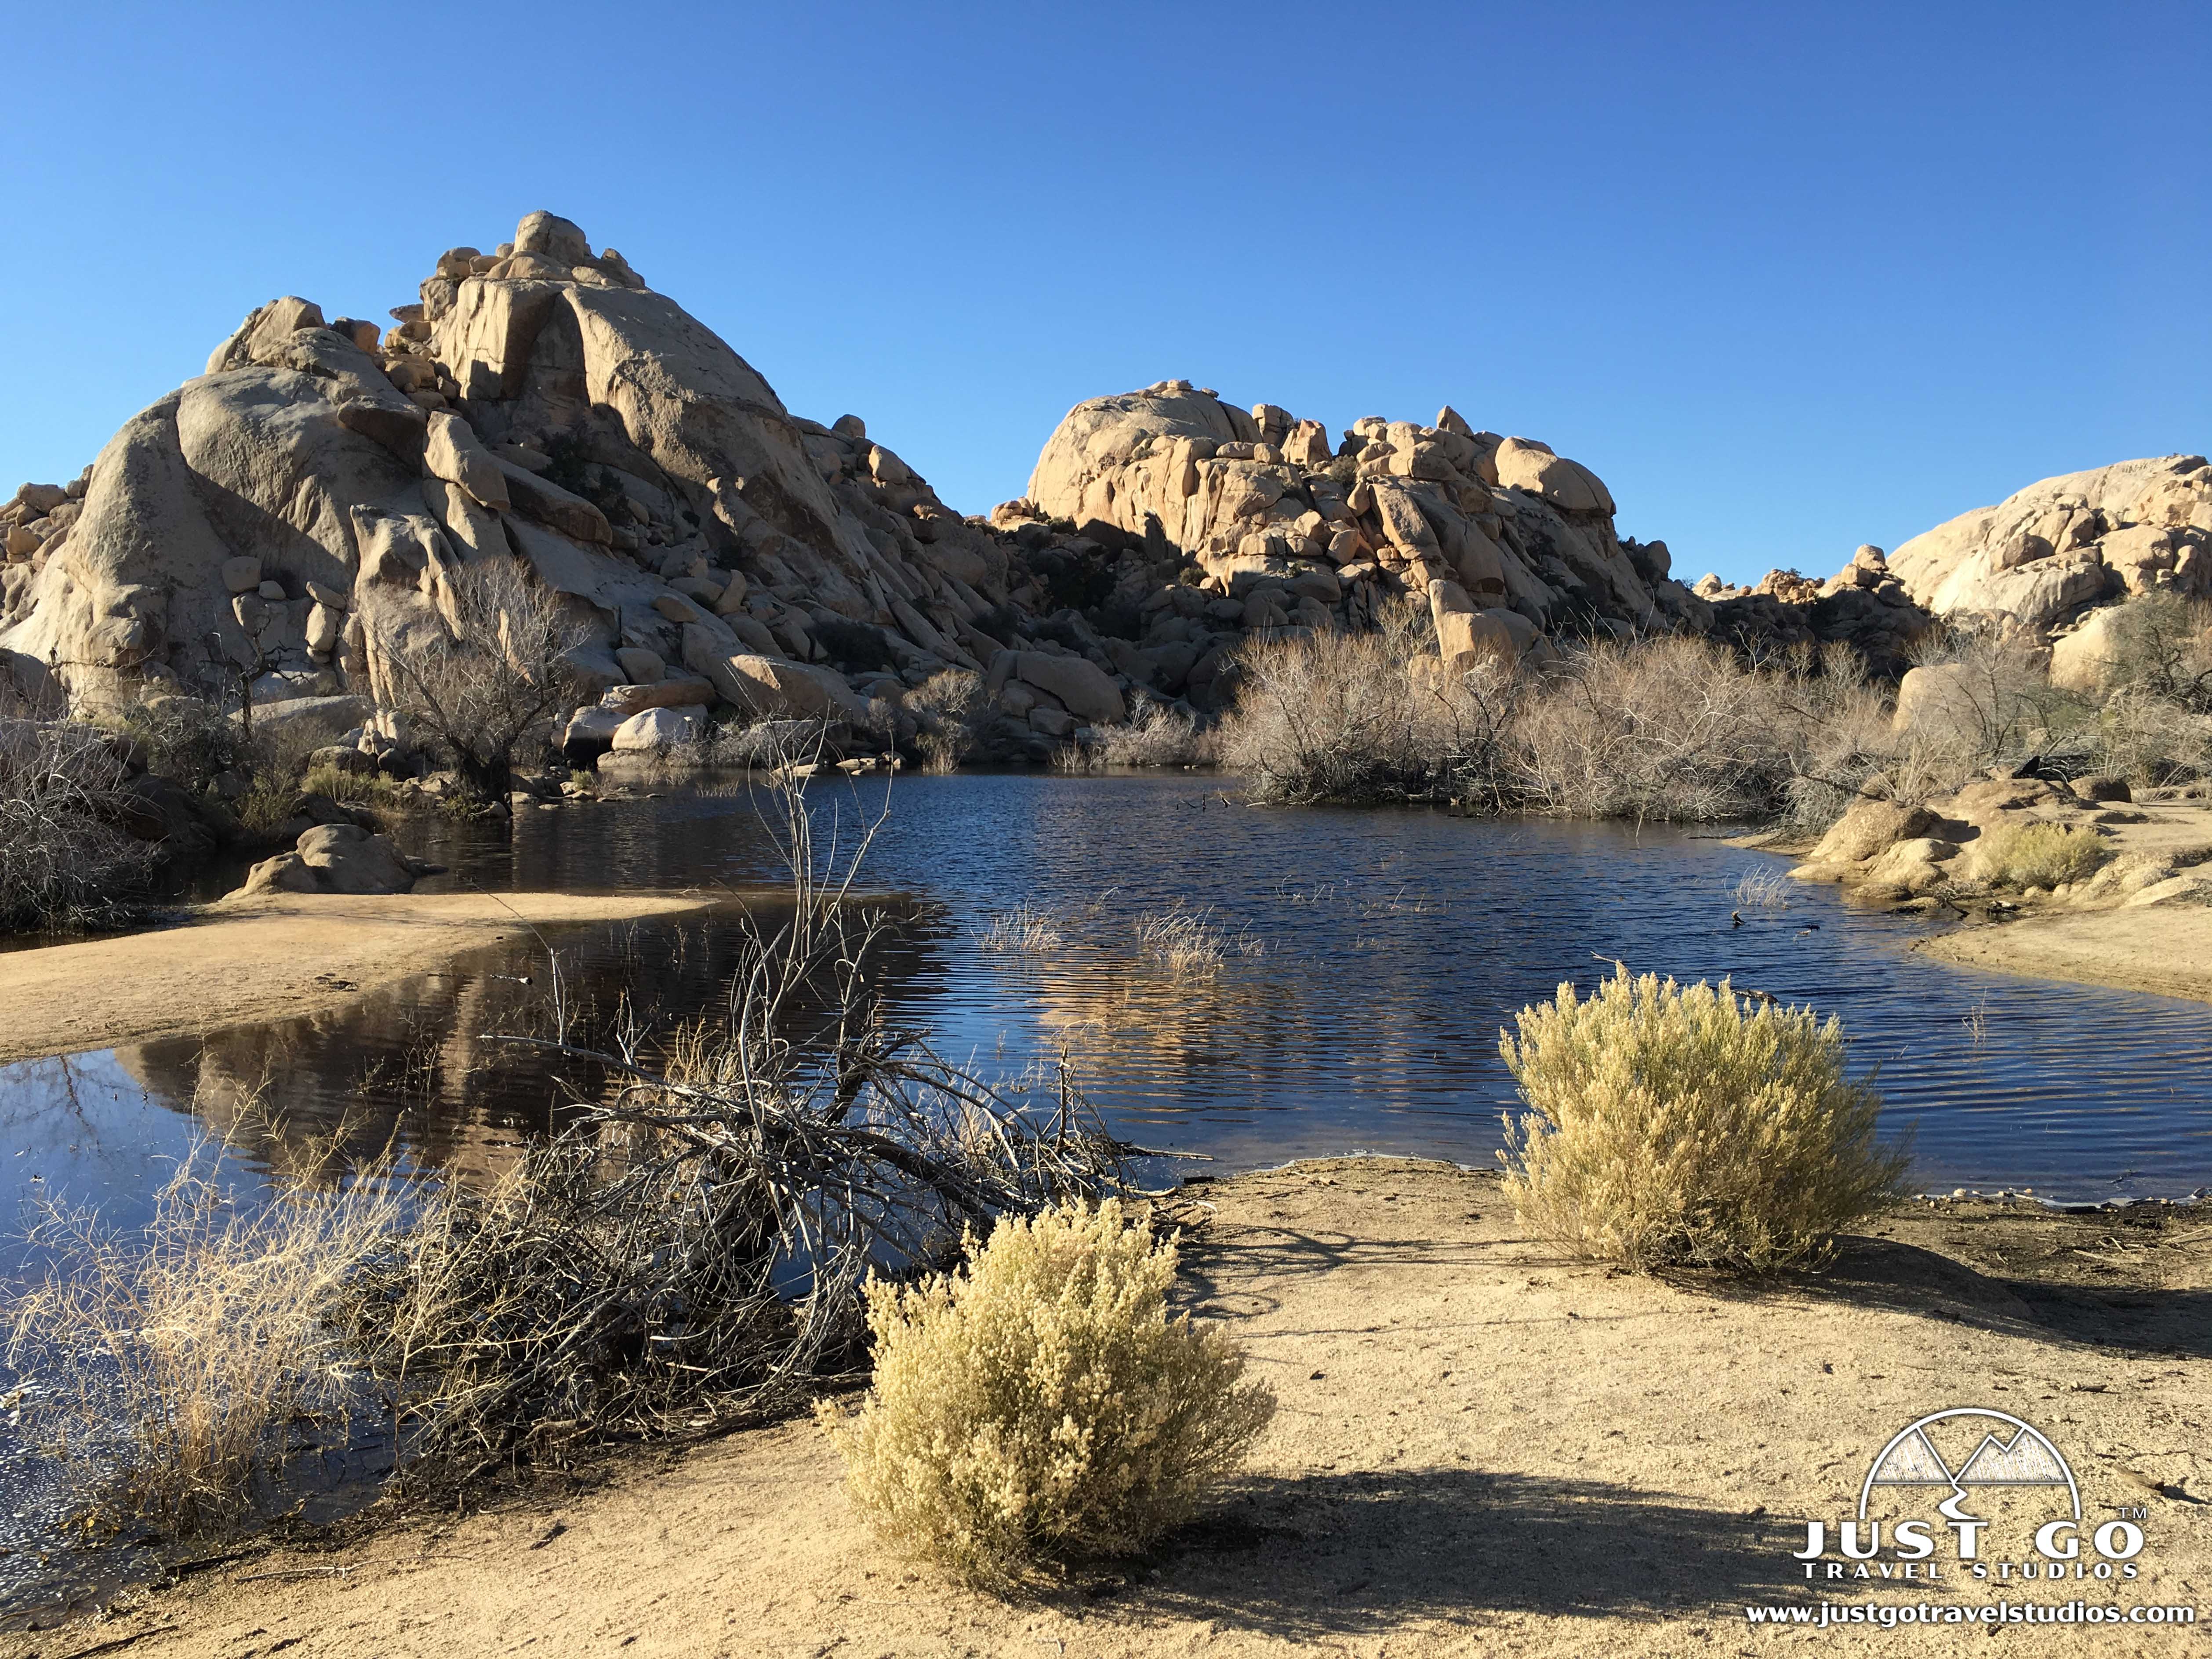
x: 1372, y: 958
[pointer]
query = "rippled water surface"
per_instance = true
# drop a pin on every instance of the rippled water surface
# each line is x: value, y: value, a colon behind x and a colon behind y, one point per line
x: 1372, y: 958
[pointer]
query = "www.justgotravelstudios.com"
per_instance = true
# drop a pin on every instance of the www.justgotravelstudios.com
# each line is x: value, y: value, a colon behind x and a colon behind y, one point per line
x: 1822, y: 1615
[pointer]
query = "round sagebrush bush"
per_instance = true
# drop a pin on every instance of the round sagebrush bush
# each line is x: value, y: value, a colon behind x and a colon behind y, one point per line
x: 1675, y: 1126
x: 1039, y: 1405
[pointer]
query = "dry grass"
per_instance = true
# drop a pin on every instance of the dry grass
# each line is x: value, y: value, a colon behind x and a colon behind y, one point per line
x: 2046, y: 855
x: 1026, y: 930
x: 355, y: 789
x: 1675, y: 1126
x: 1040, y: 1406
x: 1767, y: 887
x: 1157, y: 734
x: 1188, y: 944
x: 179, y: 1356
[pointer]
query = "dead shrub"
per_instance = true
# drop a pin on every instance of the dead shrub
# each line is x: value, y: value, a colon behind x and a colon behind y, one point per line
x: 1357, y: 717
x: 66, y: 859
x: 689, y: 1252
x: 1157, y: 734
x: 1039, y: 1405
x: 950, y: 712
x: 1675, y: 1126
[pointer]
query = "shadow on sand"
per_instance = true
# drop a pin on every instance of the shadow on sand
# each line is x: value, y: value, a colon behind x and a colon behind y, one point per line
x: 1361, y: 1552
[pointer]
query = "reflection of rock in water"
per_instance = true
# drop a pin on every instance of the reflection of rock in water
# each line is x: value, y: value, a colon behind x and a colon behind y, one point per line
x: 418, y: 1066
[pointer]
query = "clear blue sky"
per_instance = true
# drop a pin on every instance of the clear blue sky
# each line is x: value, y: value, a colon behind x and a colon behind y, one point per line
x: 1789, y: 278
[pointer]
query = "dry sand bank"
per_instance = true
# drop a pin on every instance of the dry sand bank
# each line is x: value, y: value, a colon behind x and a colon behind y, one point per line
x: 267, y: 958
x: 1482, y: 1448
x: 2166, y: 948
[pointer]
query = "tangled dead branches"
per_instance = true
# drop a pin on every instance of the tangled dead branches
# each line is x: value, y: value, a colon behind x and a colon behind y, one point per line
x: 689, y: 1253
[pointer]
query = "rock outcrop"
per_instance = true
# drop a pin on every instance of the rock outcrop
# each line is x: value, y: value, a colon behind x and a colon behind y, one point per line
x: 2045, y: 564
x: 1502, y: 539
x: 537, y: 403
x: 2046, y: 556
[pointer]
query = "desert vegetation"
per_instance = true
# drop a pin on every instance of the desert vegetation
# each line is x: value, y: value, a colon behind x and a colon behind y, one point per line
x: 498, y: 668
x: 185, y: 1360
x: 1039, y: 1404
x: 1686, y: 728
x: 1689, y: 1127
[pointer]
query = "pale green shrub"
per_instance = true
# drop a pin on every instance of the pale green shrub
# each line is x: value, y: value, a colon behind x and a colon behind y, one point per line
x: 1039, y: 1404
x: 1692, y: 1128
x: 2043, y: 855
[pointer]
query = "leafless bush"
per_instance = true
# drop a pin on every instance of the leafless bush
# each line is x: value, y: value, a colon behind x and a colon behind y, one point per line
x: 692, y: 1252
x: 66, y: 857
x: 949, y: 709
x: 493, y: 664
x: 177, y: 1357
x: 1359, y: 717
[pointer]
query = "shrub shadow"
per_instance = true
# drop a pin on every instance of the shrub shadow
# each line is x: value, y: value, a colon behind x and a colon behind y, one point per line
x: 1903, y: 1278
x: 1362, y: 1552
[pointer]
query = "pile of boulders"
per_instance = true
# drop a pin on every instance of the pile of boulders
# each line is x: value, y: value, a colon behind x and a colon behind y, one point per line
x: 1864, y: 606
x: 1255, y: 522
x: 1946, y: 851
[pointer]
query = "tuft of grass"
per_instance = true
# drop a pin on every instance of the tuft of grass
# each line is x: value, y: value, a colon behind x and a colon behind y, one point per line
x: 1689, y: 1127
x: 1025, y: 930
x: 355, y: 789
x: 1189, y: 944
x: 2043, y: 855
x: 1039, y: 1405
x: 1767, y: 887
x: 180, y: 1353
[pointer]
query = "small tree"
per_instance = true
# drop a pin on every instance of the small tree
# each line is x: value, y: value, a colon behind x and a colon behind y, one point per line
x: 498, y: 664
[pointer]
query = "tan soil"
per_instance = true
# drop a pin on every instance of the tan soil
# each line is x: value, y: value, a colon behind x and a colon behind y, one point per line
x: 267, y: 958
x: 1483, y: 1448
x: 2166, y: 948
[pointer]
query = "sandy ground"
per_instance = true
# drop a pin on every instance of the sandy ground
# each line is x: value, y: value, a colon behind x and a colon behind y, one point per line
x: 265, y: 959
x: 2166, y: 948
x: 1482, y: 1448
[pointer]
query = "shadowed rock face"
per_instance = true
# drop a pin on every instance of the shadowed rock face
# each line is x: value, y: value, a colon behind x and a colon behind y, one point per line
x: 537, y: 403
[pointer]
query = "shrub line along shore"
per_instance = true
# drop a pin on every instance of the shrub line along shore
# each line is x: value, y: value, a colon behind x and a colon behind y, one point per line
x: 1482, y: 1446
x: 247, y: 960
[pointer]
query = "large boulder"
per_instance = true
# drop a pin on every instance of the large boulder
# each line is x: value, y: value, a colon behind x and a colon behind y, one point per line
x: 1869, y: 828
x: 1084, y: 689
x: 660, y: 728
x: 336, y: 858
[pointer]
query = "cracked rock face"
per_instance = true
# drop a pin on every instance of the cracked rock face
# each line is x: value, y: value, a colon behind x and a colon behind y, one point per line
x: 537, y: 403
x: 1478, y: 524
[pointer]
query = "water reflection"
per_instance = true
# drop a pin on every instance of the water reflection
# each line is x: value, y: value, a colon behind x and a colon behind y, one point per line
x: 1387, y: 951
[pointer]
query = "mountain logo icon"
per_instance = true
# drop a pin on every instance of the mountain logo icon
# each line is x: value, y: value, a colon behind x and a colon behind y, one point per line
x: 2010, y: 1452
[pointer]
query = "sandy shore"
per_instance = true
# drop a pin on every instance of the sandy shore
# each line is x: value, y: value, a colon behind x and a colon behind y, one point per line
x: 1482, y: 1448
x: 267, y: 958
x: 2166, y: 948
